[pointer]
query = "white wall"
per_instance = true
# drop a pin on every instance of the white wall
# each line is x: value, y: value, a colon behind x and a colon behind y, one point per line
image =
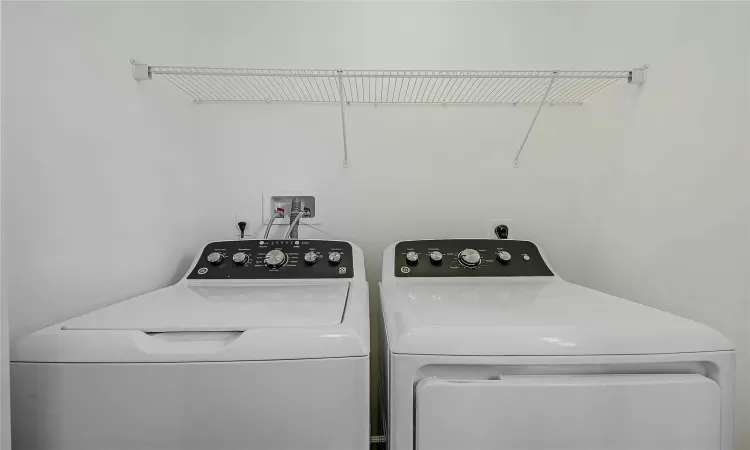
x: 95, y: 172
x: 100, y: 166
x: 664, y: 187
x: 110, y: 185
x: 4, y: 330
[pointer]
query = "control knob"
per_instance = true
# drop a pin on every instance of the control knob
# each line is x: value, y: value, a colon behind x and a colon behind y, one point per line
x: 240, y: 258
x: 503, y: 257
x: 334, y: 257
x: 275, y: 258
x: 436, y: 257
x: 215, y: 258
x: 412, y: 257
x: 469, y: 257
x: 311, y: 257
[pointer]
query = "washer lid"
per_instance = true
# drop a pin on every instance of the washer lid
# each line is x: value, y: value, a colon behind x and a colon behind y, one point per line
x: 213, y: 323
x: 531, y: 317
x: 222, y: 308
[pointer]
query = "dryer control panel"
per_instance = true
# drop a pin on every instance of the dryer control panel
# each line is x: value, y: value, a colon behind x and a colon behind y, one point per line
x: 469, y: 258
x: 274, y: 259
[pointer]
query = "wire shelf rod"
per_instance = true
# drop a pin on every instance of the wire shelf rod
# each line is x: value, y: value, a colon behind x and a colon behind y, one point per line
x: 545, y: 75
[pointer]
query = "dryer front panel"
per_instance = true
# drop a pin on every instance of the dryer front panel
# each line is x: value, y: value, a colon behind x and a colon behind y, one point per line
x: 569, y: 412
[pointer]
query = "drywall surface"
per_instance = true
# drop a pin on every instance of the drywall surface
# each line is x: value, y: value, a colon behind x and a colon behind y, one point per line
x: 109, y: 186
x: 95, y: 172
x: 4, y: 326
x: 664, y: 186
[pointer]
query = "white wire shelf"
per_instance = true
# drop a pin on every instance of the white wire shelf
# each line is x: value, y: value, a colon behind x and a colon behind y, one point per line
x: 206, y: 84
x: 396, y: 87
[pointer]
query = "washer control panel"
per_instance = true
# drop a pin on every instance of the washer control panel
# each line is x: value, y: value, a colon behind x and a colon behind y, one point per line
x: 469, y: 258
x: 274, y: 259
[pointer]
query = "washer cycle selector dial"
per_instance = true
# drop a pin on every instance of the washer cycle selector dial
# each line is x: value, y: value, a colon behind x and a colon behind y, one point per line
x: 240, y: 258
x: 469, y: 257
x: 275, y: 258
x: 311, y: 257
x: 436, y: 257
x: 215, y: 258
x: 412, y: 257
x: 334, y: 257
x: 503, y: 257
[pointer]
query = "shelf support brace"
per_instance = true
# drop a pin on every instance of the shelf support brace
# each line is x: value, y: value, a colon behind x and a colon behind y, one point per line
x: 342, y: 100
x: 533, y: 121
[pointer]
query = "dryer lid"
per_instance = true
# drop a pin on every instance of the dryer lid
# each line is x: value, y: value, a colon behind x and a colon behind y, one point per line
x: 531, y: 317
x: 222, y: 308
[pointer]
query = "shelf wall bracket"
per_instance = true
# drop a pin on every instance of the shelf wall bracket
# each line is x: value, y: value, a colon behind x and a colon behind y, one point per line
x: 533, y: 121
x: 638, y: 76
x: 141, y: 72
x: 342, y: 101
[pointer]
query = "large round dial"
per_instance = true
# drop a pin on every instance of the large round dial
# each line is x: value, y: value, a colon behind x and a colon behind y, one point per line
x: 470, y: 257
x: 412, y: 257
x: 215, y: 258
x: 275, y: 258
x: 240, y: 258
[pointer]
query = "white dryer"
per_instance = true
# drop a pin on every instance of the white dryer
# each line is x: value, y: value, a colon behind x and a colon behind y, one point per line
x: 488, y: 349
x: 262, y: 345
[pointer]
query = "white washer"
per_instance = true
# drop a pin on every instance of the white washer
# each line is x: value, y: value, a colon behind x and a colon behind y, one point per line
x: 262, y: 345
x: 488, y: 349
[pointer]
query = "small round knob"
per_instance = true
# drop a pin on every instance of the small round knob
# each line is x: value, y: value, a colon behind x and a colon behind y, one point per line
x: 240, y: 258
x: 334, y: 257
x: 275, y: 258
x: 470, y: 257
x: 412, y: 257
x: 503, y: 257
x: 215, y: 258
x: 311, y: 257
x: 436, y: 257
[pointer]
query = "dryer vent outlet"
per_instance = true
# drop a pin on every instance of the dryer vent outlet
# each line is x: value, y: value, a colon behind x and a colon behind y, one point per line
x: 502, y: 231
x: 497, y: 228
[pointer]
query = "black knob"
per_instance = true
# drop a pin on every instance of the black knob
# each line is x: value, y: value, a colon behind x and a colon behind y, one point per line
x: 412, y: 258
x: 215, y: 258
x: 240, y: 258
x: 311, y: 257
x: 436, y: 257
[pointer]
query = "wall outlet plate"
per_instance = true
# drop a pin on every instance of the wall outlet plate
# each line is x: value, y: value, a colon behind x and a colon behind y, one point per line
x: 285, y: 202
x: 493, y: 223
